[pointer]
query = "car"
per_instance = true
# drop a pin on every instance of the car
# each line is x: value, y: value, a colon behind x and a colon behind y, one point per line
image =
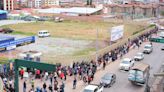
x: 126, y: 64
x: 162, y: 48
x: 8, y: 30
x: 161, y: 34
x: 139, y: 56
x: 1, y: 30
x: 148, y: 48
x: 93, y: 88
x: 108, y: 80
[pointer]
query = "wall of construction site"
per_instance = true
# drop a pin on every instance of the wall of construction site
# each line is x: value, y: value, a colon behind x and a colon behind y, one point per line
x: 132, y: 11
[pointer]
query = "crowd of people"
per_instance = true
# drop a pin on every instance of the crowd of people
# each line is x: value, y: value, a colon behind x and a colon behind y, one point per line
x: 83, y: 70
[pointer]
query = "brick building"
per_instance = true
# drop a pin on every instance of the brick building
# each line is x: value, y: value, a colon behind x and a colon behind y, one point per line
x: 8, y: 4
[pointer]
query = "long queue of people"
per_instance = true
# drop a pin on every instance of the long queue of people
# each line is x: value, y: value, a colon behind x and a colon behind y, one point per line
x: 83, y: 70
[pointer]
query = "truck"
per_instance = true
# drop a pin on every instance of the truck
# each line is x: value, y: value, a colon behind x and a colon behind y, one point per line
x: 139, y: 73
x: 93, y: 88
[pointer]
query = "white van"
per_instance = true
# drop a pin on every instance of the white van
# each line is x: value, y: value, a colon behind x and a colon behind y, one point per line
x: 43, y: 33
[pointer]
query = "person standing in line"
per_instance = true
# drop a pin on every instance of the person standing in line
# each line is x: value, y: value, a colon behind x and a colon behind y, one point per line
x: 32, y: 84
x: 74, y: 83
x: 51, y: 79
x: 104, y: 65
x: 50, y: 88
x: 55, y: 85
x: 44, y: 86
x: 24, y: 86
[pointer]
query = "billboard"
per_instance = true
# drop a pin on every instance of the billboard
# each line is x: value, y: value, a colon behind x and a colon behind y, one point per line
x: 16, y: 43
x: 117, y: 32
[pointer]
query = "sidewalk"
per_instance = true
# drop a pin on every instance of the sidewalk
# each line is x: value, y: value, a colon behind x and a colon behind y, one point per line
x: 112, y: 65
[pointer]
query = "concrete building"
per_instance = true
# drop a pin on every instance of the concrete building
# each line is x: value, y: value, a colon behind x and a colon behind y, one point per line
x: 23, y: 3
x: 49, y: 3
x: 8, y: 4
x: 30, y: 3
x: 37, y: 3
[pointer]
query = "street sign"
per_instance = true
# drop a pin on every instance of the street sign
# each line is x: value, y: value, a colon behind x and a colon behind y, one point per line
x: 159, y: 40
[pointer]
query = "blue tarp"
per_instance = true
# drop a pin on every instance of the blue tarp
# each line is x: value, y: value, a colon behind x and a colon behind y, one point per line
x: 3, y: 12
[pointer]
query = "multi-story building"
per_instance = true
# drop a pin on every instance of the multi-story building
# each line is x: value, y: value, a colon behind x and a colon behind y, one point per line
x: 1, y: 4
x: 47, y: 3
x: 8, y: 4
x: 23, y: 3
x: 37, y: 3
x: 30, y: 3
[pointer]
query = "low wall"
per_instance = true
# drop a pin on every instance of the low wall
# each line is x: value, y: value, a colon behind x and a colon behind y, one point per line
x: 103, y: 51
x: 115, y: 45
x: 1, y: 85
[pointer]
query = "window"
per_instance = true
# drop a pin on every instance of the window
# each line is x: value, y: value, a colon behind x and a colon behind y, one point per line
x: 96, y: 90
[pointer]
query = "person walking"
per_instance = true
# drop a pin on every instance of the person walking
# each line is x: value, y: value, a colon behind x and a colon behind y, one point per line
x: 50, y: 88
x: 74, y: 83
x: 24, y: 86
x: 44, y: 86
x: 51, y: 79
x: 104, y: 65
x: 55, y: 85
x: 32, y: 84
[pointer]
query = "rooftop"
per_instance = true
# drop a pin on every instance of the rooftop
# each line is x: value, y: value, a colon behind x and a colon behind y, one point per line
x: 76, y: 10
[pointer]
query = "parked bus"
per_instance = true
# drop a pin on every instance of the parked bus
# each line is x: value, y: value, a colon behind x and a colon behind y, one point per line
x: 139, y: 73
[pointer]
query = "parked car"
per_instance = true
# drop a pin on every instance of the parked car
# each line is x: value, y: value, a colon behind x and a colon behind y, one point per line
x: 6, y: 30
x: 162, y: 48
x: 139, y: 56
x: 43, y: 33
x: 126, y: 64
x: 1, y: 30
x: 93, y: 88
x: 161, y: 34
x: 148, y: 49
x: 29, y: 18
x: 108, y: 80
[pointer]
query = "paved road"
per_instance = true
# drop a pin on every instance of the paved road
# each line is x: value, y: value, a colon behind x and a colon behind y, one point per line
x: 7, y: 22
x: 155, y: 60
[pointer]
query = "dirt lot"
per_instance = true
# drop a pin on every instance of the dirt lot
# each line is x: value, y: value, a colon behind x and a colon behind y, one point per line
x: 70, y: 39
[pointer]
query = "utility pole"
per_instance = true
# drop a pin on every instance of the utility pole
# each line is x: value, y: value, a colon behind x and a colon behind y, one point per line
x: 147, y: 87
x: 96, y: 45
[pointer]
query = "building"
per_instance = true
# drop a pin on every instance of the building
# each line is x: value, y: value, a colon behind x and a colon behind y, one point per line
x: 161, y: 1
x: 37, y: 3
x: 30, y: 3
x: 8, y: 4
x: 49, y: 3
x: 23, y: 3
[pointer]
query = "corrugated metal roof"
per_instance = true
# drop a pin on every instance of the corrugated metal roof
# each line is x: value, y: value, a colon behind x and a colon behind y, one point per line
x: 2, y: 11
x: 77, y: 10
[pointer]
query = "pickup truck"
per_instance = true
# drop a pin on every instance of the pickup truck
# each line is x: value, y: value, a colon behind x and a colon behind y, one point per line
x: 93, y: 88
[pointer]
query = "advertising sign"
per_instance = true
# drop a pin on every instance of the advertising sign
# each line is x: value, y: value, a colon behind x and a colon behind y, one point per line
x: 13, y: 44
x: 117, y: 32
